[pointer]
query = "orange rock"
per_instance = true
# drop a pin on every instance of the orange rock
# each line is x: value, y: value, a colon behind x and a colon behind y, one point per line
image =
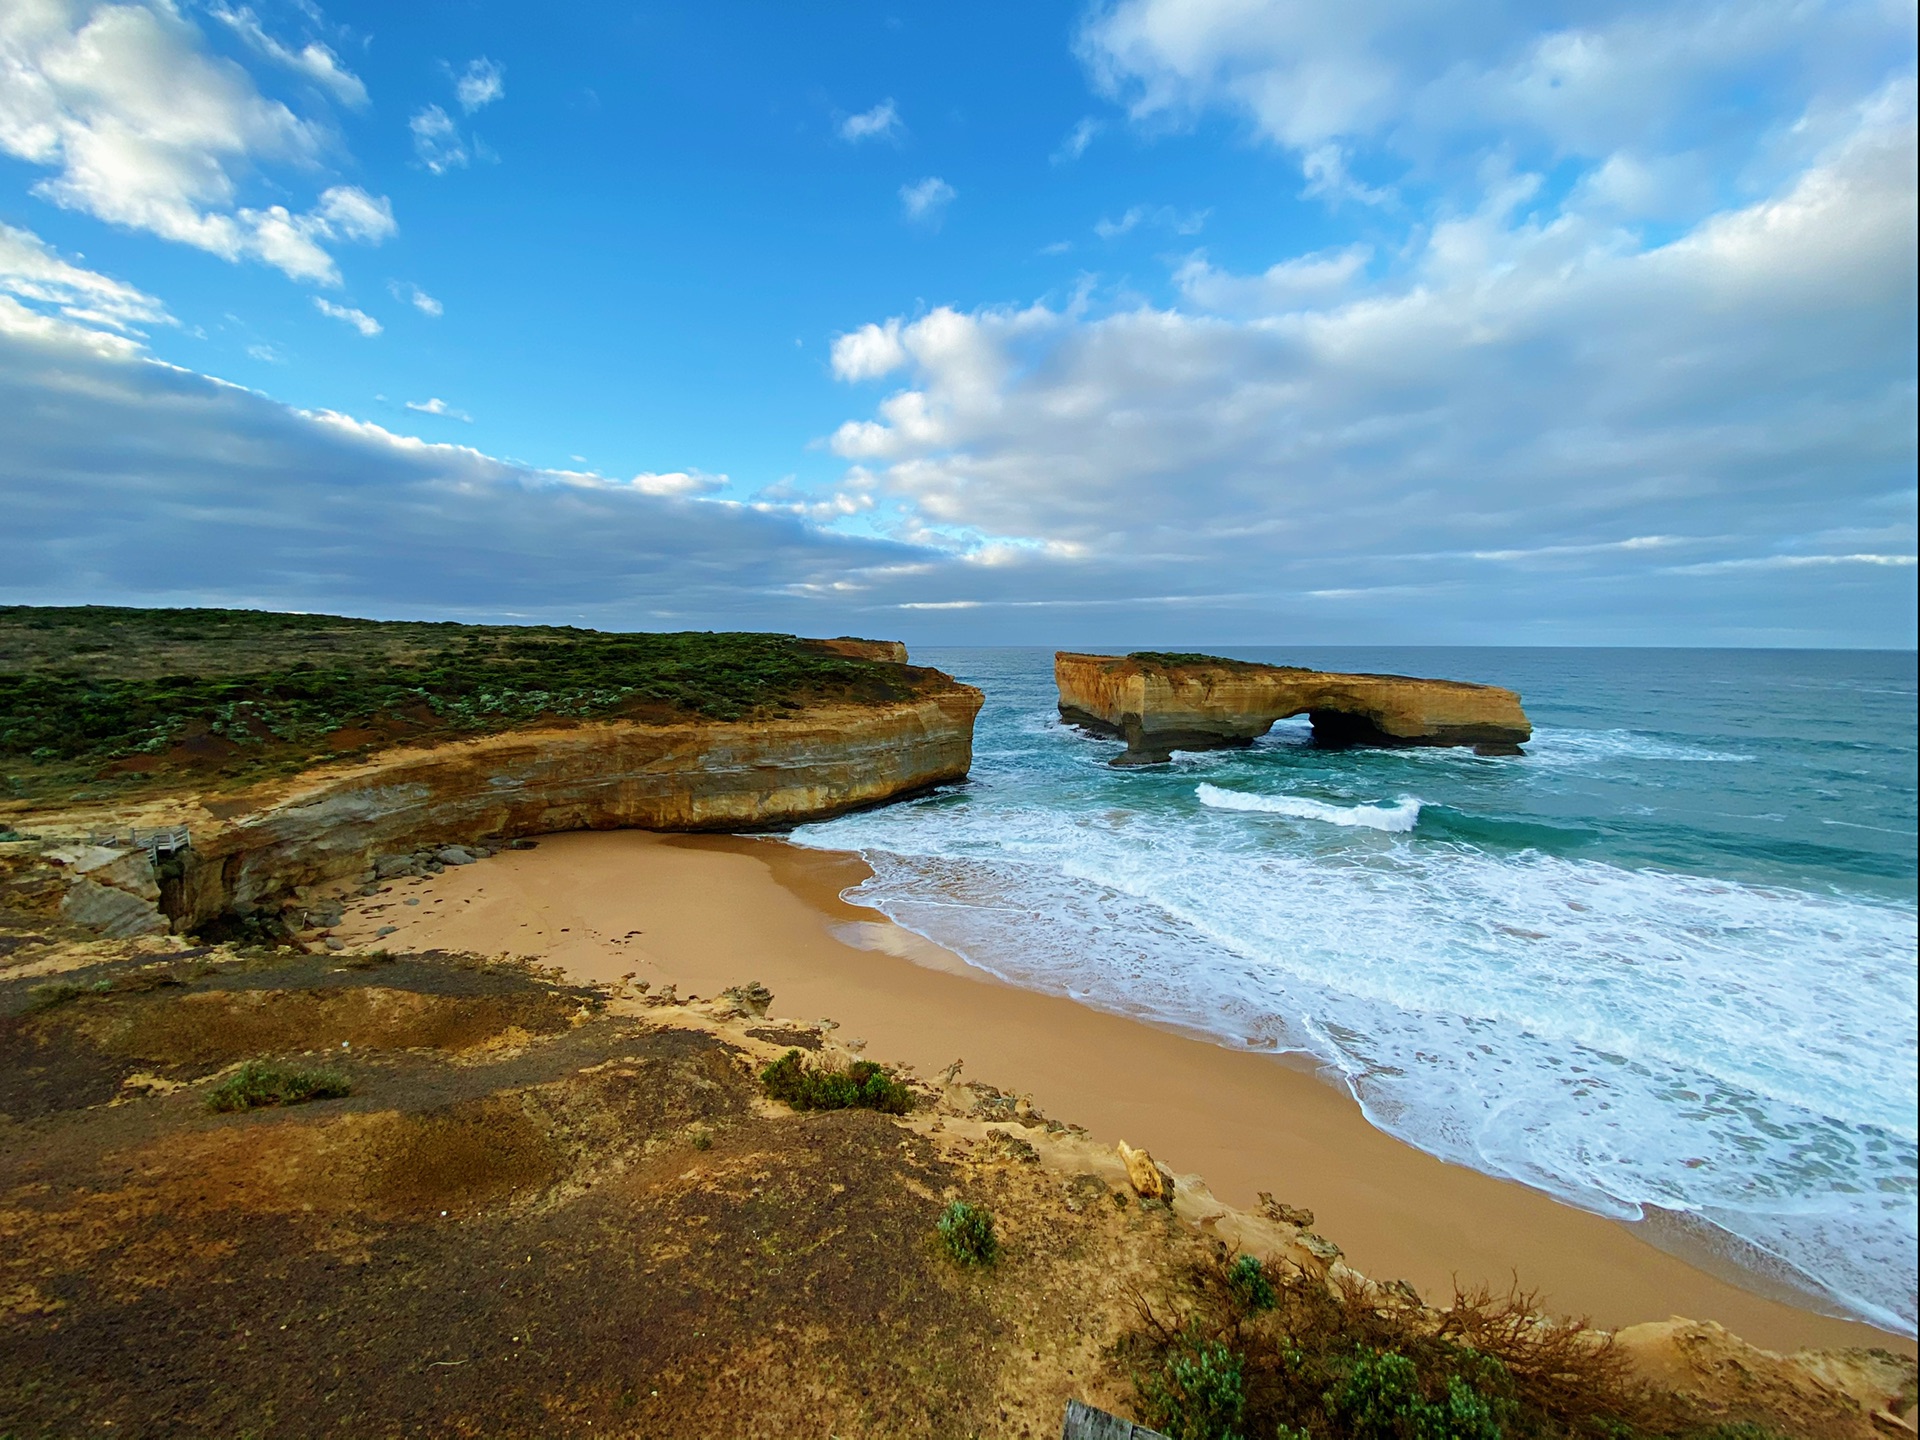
x: 1158, y: 707
x: 1149, y: 1181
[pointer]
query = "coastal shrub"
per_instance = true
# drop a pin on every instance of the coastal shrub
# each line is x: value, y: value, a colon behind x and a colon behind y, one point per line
x: 1383, y: 1397
x: 1248, y: 1284
x: 59, y: 992
x: 258, y: 1083
x: 967, y: 1232
x: 1334, y: 1357
x: 214, y: 689
x: 862, y: 1085
x: 1198, y: 1391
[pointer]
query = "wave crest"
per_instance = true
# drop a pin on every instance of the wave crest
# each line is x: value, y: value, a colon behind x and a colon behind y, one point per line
x: 1396, y: 819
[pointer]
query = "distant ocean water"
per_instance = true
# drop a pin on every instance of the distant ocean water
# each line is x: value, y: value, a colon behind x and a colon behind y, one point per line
x: 1664, y: 963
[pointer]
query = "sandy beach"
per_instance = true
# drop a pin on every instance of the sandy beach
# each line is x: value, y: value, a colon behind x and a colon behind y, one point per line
x: 702, y: 913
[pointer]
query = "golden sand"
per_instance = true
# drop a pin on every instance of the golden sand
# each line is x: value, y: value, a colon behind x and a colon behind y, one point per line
x: 706, y: 912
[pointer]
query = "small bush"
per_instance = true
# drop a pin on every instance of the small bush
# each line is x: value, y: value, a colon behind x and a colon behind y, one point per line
x: 257, y: 1083
x: 1248, y: 1284
x: 968, y: 1233
x: 1199, y: 1391
x: 862, y: 1085
x: 1382, y: 1398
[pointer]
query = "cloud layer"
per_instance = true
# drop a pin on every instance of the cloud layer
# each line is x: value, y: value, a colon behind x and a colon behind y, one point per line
x: 142, y: 127
x: 1532, y: 391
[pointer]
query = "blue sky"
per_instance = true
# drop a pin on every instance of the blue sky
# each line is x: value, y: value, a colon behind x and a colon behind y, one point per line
x: 1155, y: 321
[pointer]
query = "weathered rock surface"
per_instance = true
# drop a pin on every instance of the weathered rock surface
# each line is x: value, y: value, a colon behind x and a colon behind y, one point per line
x: 366, y: 819
x: 857, y: 649
x: 1829, y: 1393
x: 1159, y: 707
x: 1149, y: 1181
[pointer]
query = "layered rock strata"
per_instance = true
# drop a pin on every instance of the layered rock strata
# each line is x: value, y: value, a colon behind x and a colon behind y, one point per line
x: 252, y: 850
x: 1158, y: 707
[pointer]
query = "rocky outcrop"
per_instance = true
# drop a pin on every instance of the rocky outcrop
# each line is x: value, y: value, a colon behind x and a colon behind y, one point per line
x: 252, y: 849
x: 857, y: 649
x: 1159, y: 706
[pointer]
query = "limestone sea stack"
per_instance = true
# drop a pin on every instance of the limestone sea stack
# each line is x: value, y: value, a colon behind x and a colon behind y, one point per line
x: 1159, y: 703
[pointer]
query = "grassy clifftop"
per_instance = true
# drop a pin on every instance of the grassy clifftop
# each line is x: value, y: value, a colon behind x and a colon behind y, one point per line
x: 98, y: 700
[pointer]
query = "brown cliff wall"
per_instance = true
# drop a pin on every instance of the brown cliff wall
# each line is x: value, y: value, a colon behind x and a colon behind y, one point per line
x: 1158, y: 708
x: 329, y: 825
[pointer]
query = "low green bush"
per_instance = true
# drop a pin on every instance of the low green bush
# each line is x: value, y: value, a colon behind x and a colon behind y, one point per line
x: 259, y: 1083
x: 1382, y: 1398
x: 967, y: 1231
x: 862, y: 1085
x: 1248, y: 1284
x: 1198, y: 1391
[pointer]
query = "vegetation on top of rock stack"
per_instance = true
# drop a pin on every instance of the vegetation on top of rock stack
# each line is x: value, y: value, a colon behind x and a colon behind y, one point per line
x: 1164, y: 658
x: 244, y: 693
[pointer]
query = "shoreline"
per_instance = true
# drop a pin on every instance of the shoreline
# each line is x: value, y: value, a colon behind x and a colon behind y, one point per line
x: 704, y: 912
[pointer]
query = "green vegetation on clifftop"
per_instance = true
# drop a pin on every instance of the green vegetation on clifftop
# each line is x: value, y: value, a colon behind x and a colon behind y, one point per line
x: 243, y: 693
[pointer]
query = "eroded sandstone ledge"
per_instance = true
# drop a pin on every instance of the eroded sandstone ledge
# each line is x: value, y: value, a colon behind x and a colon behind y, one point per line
x: 1162, y: 704
x: 251, y: 849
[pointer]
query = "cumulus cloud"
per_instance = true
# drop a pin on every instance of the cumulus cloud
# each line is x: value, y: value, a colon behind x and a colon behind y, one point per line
x: 1529, y: 389
x: 346, y: 314
x: 677, y: 482
x: 480, y: 84
x: 144, y: 128
x: 1432, y: 88
x: 925, y: 201
x: 882, y: 122
x: 314, y: 61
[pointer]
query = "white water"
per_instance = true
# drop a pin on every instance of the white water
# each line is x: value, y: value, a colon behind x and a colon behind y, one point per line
x: 1397, y: 818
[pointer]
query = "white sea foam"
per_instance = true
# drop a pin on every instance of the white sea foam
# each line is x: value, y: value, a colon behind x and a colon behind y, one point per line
x: 1397, y: 818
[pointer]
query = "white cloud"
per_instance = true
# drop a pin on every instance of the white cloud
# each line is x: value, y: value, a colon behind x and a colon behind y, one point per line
x: 677, y: 483
x: 480, y: 84
x: 313, y: 60
x: 31, y: 272
x: 411, y: 294
x: 1313, y: 279
x: 266, y: 354
x: 144, y: 128
x: 1078, y: 139
x: 358, y: 319
x: 1526, y: 383
x: 926, y: 201
x: 1432, y: 89
x: 882, y: 122
x: 869, y: 352
x: 1165, y: 217
x: 437, y: 141
x: 437, y: 406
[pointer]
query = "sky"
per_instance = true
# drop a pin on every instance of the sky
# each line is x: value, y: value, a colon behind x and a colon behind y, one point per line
x: 1140, y: 322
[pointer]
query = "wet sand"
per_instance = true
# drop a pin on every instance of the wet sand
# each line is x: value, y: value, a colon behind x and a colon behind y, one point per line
x: 706, y: 912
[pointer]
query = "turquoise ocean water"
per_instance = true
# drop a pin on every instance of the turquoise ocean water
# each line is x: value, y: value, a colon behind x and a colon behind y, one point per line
x: 1665, y: 963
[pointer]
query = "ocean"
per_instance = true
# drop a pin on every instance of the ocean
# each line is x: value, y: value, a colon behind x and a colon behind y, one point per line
x: 1663, y: 966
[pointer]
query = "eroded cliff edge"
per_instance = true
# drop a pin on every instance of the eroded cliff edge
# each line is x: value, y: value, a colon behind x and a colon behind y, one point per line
x: 1162, y: 703
x: 220, y: 764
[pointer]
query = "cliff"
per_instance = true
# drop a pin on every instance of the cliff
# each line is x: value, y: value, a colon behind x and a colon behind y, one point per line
x: 251, y: 849
x: 1159, y: 704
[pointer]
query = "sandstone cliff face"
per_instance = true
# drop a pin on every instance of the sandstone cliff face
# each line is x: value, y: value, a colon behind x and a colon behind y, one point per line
x: 248, y: 850
x: 856, y: 649
x: 1159, y: 708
